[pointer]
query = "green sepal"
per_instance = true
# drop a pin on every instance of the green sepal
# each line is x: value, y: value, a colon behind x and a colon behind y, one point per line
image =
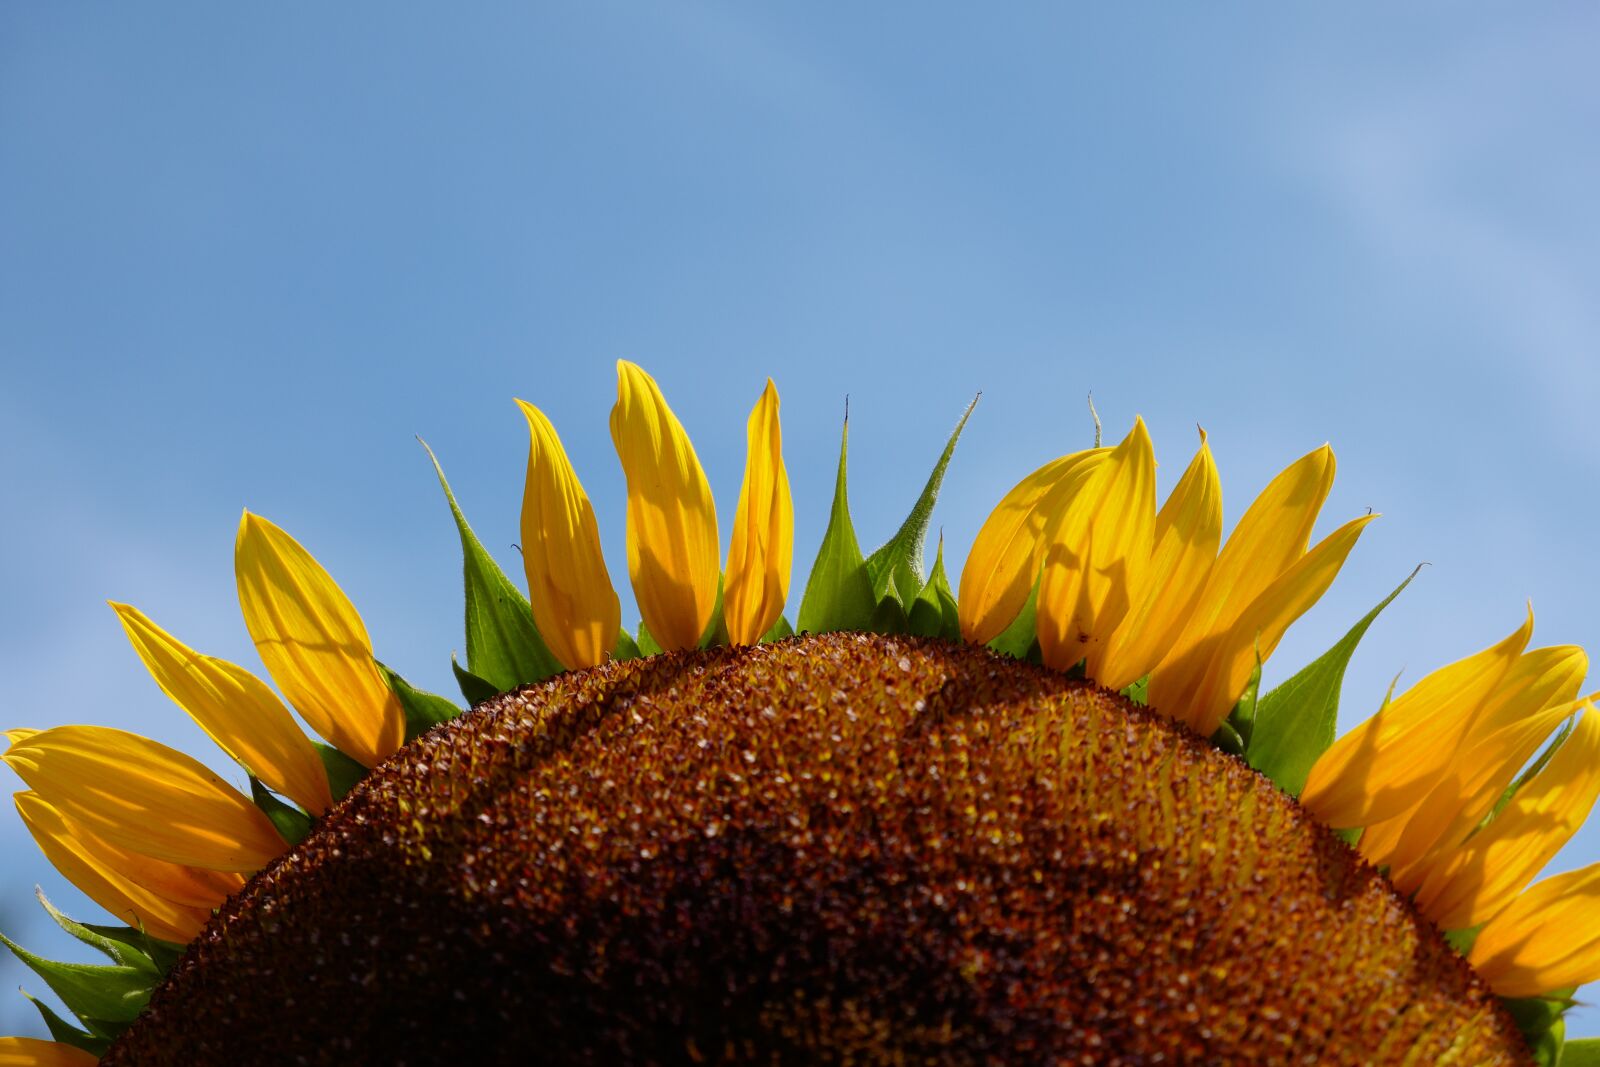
x: 291, y: 823
x: 423, y: 710
x: 100, y: 996
x: 1020, y: 640
x: 1242, y: 719
x: 896, y: 568
x: 65, y: 1032
x: 1139, y: 692
x: 647, y: 643
x: 627, y: 647
x: 1584, y: 1052
x: 779, y: 631
x: 889, y: 617
x: 934, y: 612
x: 163, y: 954
x: 1228, y: 740
x: 1295, y: 723
x: 503, y: 643
x: 838, y: 592
x: 716, y: 631
x: 113, y: 949
x: 1462, y: 940
x: 1541, y: 1020
x: 474, y: 690
x: 344, y: 772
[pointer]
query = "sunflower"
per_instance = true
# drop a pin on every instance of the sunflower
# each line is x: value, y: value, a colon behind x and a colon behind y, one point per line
x: 1050, y: 819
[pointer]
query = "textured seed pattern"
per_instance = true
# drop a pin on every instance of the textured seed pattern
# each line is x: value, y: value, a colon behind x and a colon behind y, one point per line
x: 841, y: 849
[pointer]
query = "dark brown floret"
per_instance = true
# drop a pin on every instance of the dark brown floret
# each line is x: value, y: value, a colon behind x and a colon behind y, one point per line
x: 839, y: 849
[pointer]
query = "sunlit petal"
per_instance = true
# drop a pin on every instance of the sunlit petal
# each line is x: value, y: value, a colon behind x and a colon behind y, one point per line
x: 574, y: 604
x: 1547, y: 939
x: 761, y: 550
x: 314, y: 644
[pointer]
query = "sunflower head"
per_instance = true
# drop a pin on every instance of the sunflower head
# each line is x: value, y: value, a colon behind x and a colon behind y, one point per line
x: 1052, y: 818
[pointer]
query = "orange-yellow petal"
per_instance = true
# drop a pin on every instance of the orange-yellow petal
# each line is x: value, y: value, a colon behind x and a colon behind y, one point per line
x: 1386, y: 765
x: 761, y: 550
x: 574, y: 603
x: 1097, y: 553
x: 1188, y: 531
x: 673, y: 554
x: 145, y: 797
x: 31, y: 1052
x: 314, y: 644
x: 92, y: 865
x: 1547, y: 939
x: 1009, y: 550
x: 236, y: 709
x: 1483, y: 876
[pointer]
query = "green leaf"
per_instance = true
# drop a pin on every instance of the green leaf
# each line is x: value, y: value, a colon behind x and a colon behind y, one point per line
x: 117, y: 951
x: 344, y: 773
x: 423, y: 710
x: 291, y: 823
x: 648, y: 645
x: 1584, y: 1052
x: 1295, y: 723
x: 934, y: 613
x: 114, y: 994
x: 161, y: 953
x: 779, y: 631
x: 627, y: 647
x: 65, y: 1032
x: 839, y: 591
x: 503, y: 644
x: 474, y: 689
x: 896, y: 568
x: 1020, y: 640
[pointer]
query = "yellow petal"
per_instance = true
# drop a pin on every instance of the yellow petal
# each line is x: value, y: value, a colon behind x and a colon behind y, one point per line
x: 1386, y: 765
x: 574, y: 603
x: 1204, y: 704
x: 236, y: 709
x: 673, y: 556
x: 145, y: 797
x: 314, y: 644
x: 18, y: 734
x: 1486, y: 874
x: 761, y: 551
x: 1007, y: 554
x: 30, y: 1052
x: 92, y: 866
x: 1188, y: 531
x: 1097, y: 553
x: 1466, y: 793
x: 1540, y: 678
x: 1548, y: 939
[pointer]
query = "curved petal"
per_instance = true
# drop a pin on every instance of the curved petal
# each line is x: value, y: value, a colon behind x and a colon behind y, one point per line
x: 314, y: 644
x: 30, y: 1052
x: 574, y: 603
x: 761, y: 550
x: 1097, y: 553
x: 236, y: 709
x: 1547, y: 939
x: 673, y: 555
x: 145, y: 797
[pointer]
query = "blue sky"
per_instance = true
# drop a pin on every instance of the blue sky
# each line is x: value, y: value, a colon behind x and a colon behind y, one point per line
x: 246, y: 256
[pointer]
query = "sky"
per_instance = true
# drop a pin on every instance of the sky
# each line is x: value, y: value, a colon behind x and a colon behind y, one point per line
x: 247, y: 256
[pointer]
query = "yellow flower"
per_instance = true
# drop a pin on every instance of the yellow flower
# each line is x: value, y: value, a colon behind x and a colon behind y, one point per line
x: 28, y: 1052
x: 314, y: 644
x: 673, y: 558
x: 1548, y: 939
x: 762, y: 548
x: 574, y: 605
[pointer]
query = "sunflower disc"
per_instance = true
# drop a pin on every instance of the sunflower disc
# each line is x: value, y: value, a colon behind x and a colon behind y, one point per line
x: 835, y: 849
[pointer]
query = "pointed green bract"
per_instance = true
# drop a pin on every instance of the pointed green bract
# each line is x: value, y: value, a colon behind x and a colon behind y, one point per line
x: 1020, y: 640
x: 1542, y: 1021
x: 934, y: 612
x: 474, y: 690
x: 1239, y: 726
x: 896, y: 568
x: 344, y: 773
x: 65, y: 1032
x: 423, y: 710
x: 839, y: 591
x: 1295, y: 723
x: 114, y: 950
x: 291, y: 823
x: 627, y: 647
x: 163, y: 954
x: 779, y: 631
x: 503, y: 644
x: 99, y: 996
